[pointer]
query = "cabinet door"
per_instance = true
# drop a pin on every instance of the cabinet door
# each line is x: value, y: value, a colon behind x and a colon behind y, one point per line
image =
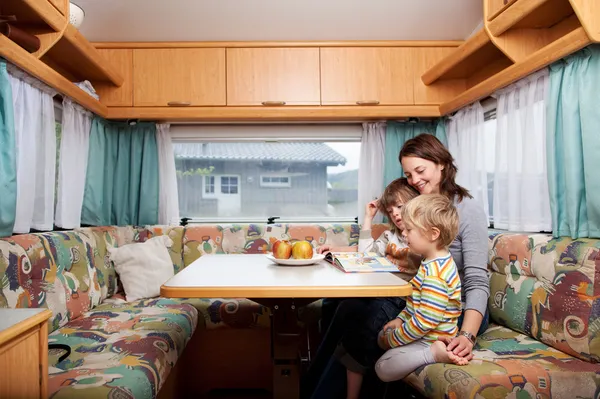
x: 440, y: 91
x: 110, y: 95
x: 366, y: 76
x: 266, y: 76
x: 178, y: 77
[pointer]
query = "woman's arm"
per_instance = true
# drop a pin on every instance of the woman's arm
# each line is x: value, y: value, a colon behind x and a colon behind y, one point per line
x: 475, y: 282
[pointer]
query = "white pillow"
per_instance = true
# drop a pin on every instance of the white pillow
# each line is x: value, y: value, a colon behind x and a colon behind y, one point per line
x: 143, y: 267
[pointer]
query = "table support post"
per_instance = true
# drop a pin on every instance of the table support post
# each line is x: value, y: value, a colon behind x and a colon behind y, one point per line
x: 285, y: 338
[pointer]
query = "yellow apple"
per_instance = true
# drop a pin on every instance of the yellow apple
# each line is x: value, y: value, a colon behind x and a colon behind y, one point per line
x: 302, y: 250
x: 282, y: 249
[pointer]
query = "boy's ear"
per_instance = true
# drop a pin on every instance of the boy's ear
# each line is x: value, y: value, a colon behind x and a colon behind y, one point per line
x: 435, y: 233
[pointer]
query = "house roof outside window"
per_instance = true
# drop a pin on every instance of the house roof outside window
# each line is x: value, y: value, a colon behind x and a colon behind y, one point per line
x: 287, y: 152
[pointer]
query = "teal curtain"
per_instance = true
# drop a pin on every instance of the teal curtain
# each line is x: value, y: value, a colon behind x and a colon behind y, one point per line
x: 8, y: 160
x: 397, y: 133
x: 122, y: 182
x: 573, y: 144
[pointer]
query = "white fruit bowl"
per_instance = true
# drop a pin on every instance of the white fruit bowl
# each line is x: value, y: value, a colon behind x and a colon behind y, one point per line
x: 297, y: 262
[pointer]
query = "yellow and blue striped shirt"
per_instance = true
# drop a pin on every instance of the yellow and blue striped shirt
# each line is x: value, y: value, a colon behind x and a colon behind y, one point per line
x: 434, y: 307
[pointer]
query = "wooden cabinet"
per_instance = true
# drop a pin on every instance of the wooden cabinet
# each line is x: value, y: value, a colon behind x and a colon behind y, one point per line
x: 273, y: 76
x: 24, y: 353
x: 366, y: 76
x: 179, y: 77
x: 110, y: 95
x: 441, y: 91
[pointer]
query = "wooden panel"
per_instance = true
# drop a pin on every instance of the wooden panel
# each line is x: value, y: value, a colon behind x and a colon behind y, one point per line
x: 20, y: 365
x: 588, y: 12
x: 36, y: 12
x: 351, y: 75
x: 75, y: 54
x: 349, y: 43
x: 26, y: 61
x: 43, y: 361
x: 291, y: 113
x: 61, y: 5
x: 110, y: 95
x: 530, y: 14
x: 194, y: 76
x: 441, y: 91
x: 556, y: 50
x: 495, y: 7
x: 256, y: 75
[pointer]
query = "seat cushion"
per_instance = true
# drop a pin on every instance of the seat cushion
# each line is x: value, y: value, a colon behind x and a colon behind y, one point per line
x: 217, y: 313
x: 121, y: 350
x: 509, y: 364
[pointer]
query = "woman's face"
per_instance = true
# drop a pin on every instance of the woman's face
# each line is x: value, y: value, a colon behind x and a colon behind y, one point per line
x: 422, y: 174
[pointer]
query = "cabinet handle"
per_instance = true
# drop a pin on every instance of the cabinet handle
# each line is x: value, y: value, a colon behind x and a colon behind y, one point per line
x: 273, y: 103
x: 179, y: 103
x: 372, y: 102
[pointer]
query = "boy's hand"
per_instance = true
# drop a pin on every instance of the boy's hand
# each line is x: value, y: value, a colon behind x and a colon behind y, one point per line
x: 392, y: 325
x: 324, y: 248
x: 382, y: 340
x: 371, y: 209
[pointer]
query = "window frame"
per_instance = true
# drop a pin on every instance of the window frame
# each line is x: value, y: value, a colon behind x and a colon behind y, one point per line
x: 275, y: 184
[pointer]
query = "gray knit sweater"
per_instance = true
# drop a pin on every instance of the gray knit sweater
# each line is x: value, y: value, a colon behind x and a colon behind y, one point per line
x: 470, y: 253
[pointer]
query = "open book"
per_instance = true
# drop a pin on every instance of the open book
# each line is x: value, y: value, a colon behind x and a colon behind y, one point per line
x: 360, y: 262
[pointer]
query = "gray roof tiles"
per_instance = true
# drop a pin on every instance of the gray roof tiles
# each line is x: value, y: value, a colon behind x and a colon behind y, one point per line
x: 290, y: 152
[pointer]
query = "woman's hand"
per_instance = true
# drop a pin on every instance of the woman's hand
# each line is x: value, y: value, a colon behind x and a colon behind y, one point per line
x: 460, y: 346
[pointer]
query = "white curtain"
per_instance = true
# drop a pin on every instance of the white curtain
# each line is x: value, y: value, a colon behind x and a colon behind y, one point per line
x: 168, y: 199
x: 521, y: 198
x: 36, y: 151
x: 74, y: 143
x: 467, y: 144
x: 370, y: 170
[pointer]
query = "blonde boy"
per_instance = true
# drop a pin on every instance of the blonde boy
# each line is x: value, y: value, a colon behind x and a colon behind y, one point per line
x: 432, y: 311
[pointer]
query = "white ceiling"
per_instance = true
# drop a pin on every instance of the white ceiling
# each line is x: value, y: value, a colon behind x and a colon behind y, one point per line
x: 279, y: 20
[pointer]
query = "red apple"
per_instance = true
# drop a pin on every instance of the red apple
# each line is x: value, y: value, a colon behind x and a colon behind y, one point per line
x: 282, y: 249
x: 302, y: 250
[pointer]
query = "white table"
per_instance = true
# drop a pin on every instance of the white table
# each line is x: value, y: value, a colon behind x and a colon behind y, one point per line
x: 283, y: 289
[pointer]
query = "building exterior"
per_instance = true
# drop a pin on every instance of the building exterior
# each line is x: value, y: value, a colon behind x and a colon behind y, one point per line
x: 254, y: 179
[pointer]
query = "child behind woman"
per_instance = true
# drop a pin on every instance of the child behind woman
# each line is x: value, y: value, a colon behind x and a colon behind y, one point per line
x: 432, y: 311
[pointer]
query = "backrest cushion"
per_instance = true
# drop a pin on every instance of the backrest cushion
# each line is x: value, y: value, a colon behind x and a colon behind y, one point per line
x: 201, y: 239
x: 548, y: 289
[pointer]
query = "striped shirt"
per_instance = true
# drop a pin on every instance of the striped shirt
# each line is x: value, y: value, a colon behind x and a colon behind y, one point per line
x: 434, y: 307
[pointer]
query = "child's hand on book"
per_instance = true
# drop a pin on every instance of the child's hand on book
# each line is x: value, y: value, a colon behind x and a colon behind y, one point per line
x: 324, y: 248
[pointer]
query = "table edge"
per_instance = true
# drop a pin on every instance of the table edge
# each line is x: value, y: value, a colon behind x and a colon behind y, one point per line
x: 24, y: 325
x: 286, y: 292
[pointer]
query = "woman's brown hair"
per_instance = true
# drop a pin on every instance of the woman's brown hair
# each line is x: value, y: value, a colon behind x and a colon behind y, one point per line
x: 397, y: 189
x: 427, y: 146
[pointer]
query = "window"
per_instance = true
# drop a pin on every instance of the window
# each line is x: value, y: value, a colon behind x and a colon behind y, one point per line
x: 209, y: 185
x: 251, y: 173
x: 275, y: 181
x: 229, y: 185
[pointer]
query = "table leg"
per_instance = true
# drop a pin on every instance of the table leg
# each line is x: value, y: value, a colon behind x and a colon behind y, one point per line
x: 285, y: 345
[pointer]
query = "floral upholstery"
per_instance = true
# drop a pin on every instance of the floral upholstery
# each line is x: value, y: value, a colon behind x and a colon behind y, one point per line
x: 120, y: 350
x: 201, y: 240
x: 509, y: 364
x: 545, y: 298
x: 548, y: 289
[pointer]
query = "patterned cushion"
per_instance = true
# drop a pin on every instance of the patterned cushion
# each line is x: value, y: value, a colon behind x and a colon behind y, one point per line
x: 121, y: 350
x: 217, y: 313
x: 200, y: 240
x: 508, y: 364
x: 547, y: 288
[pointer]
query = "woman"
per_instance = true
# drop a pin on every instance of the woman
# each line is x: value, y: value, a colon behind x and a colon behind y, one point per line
x: 429, y: 168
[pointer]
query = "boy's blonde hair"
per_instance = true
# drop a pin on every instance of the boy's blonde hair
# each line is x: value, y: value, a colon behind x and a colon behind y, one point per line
x: 432, y: 210
x: 397, y: 191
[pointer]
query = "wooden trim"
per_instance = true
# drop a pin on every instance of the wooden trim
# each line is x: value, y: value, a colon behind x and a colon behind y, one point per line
x: 353, y: 43
x: 44, y: 10
x: 588, y: 12
x: 44, y: 358
x: 27, y: 324
x: 283, y: 113
x: 285, y: 292
x: 469, y: 47
x: 512, y: 15
x: 20, y: 57
x: 562, y: 47
x: 498, y: 12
